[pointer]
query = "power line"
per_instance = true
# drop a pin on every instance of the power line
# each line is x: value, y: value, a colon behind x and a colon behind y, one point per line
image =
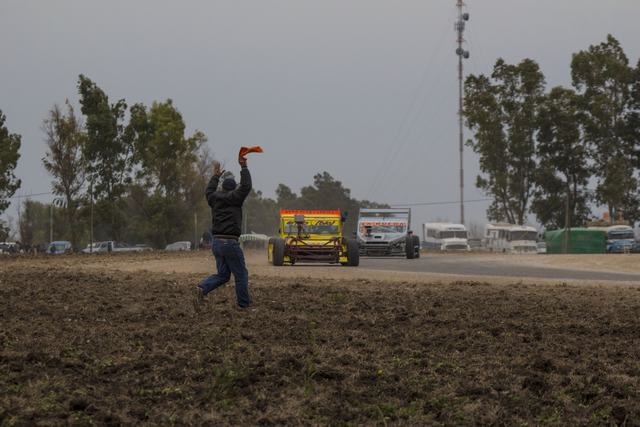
x: 437, y: 203
x: 418, y: 100
x: 26, y: 196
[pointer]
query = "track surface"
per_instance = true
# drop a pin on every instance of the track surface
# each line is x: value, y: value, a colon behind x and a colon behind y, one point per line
x: 468, y: 266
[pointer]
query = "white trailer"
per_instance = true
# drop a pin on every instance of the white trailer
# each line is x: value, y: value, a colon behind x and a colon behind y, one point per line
x: 510, y: 238
x: 445, y: 236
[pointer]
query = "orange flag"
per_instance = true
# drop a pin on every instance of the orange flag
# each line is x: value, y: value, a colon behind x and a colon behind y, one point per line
x: 246, y: 150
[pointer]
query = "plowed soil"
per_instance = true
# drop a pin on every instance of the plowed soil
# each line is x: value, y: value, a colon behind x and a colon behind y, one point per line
x: 107, y: 341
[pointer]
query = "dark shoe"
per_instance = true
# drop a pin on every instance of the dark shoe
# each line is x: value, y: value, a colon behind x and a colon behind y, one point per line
x: 198, y: 298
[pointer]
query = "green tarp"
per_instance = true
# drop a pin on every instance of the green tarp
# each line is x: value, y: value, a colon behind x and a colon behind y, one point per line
x: 581, y: 241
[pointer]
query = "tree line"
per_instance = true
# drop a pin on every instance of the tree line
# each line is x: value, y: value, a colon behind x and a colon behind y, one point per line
x: 131, y: 173
x: 556, y: 153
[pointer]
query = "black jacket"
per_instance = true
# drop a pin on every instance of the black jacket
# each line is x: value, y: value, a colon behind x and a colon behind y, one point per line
x: 226, y: 206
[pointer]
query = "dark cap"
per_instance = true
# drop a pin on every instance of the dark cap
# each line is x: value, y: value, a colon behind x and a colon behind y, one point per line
x: 229, y: 184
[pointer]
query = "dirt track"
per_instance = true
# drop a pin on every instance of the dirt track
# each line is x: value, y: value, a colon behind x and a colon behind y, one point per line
x: 112, y: 340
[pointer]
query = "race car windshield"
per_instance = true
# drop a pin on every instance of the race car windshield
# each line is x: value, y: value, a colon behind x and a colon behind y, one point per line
x: 292, y: 228
x: 387, y: 228
x: 322, y: 229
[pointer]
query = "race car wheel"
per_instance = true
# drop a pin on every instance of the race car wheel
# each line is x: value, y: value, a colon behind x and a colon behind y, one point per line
x: 278, y: 252
x: 409, y: 250
x: 353, y: 253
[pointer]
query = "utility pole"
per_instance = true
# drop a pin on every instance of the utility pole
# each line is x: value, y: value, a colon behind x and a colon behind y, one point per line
x: 462, y: 54
x: 567, y: 219
x: 91, y: 229
x: 51, y: 222
x: 195, y: 230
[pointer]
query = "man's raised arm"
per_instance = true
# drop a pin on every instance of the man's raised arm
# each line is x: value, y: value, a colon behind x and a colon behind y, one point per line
x: 244, y: 188
x: 213, y: 183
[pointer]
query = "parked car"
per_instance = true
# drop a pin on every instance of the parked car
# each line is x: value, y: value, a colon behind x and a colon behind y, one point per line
x: 9, y: 247
x: 178, y: 246
x: 59, y: 247
x: 144, y: 247
x: 91, y: 248
x: 113, y: 246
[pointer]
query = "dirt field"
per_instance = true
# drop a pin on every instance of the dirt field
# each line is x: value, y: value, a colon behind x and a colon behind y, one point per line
x: 113, y: 340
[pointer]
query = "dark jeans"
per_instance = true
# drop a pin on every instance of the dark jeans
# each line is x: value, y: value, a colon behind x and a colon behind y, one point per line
x: 229, y: 259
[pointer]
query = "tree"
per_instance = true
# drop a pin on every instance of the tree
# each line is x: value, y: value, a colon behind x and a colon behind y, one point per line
x: 108, y: 152
x: 65, y: 162
x: 34, y: 223
x: 603, y: 78
x: 170, y: 179
x: 260, y: 214
x: 162, y: 149
x: 286, y: 198
x: 9, y: 155
x: 563, y: 172
x: 502, y: 116
x: 633, y: 130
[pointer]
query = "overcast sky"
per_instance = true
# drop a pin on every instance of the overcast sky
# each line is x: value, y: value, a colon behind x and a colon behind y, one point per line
x: 363, y: 89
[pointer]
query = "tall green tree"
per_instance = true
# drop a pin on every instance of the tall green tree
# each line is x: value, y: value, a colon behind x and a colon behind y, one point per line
x: 108, y: 152
x: 64, y: 160
x: 164, y: 152
x: 634, y: 126
x: 563, y: 174
x: 604, y: 79
x: 9, y: 155
x: 170, y: 182
x: 502, y: 113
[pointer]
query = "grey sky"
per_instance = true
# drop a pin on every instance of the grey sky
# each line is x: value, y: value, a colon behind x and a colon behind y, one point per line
x: 365, y: 89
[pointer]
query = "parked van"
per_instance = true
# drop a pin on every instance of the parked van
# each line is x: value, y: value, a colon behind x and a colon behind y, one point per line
x: 178, y: 246
x: 59, y: 247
